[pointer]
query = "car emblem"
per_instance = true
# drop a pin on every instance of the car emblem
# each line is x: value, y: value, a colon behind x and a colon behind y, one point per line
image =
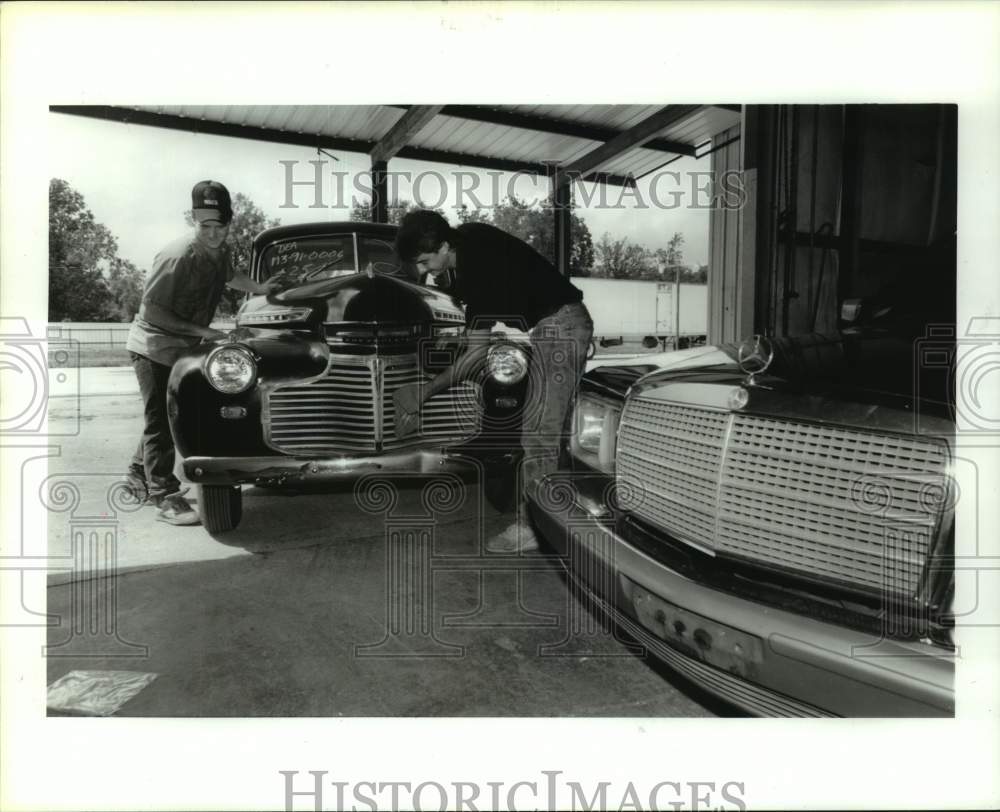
x: 755, y: 356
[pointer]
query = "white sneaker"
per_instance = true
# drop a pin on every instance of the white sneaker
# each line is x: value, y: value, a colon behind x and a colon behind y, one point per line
x: 518, y: 538
x: 175, y: 509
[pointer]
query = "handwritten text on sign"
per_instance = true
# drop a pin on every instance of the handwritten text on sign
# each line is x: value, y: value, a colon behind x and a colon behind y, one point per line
x: 298, y: 262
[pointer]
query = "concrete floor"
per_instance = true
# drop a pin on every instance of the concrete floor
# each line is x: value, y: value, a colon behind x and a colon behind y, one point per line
x: 341, y: 612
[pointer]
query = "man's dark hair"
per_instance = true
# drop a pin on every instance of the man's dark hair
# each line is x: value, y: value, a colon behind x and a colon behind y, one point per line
x: 422, y: 232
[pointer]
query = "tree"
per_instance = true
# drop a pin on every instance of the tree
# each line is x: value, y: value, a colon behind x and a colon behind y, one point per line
x: 78, y: 294
x: 699, y: 276
x: 621, y: 259
x: 397, y: 210
x: 670, y: 260
x: 467, y: 215
x: 675, y: 249
x: 536, y: 226
x: 80, y: 250
x: 248, y: 221
x: 125, y: 282
x: 581, y: 261
x: 75, y: 237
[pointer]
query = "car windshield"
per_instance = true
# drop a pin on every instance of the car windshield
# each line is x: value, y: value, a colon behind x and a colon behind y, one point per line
x: 298, y: 262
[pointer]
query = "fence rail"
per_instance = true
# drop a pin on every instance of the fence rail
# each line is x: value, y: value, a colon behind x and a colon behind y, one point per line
x: 104, y: 335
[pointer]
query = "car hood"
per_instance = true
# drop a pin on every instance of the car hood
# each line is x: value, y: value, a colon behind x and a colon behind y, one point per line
x: 371, y: 298
x: 615, y: 374
x: 876, y: 372
x: 681, y: 359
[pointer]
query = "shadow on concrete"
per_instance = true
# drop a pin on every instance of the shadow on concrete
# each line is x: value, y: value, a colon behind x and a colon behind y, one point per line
x: 284, y: 518
x: 410, y: 619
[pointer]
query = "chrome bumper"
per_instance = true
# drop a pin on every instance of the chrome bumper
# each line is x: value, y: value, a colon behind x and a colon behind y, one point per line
x: 281, y: 470
x: 800, y: 666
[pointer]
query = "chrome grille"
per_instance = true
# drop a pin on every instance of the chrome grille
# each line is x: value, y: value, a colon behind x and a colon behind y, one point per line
x: 350, y: 410
x: 451, y: 415
x: 674, y: 454
x: 337, y: 412
x: 847, y: 506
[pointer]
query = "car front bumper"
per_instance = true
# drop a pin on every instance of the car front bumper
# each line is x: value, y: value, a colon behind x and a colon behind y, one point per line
x: 286, y: 470
x: 764, y: 660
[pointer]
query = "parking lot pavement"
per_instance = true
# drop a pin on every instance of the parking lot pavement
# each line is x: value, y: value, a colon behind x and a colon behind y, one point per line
x: 387, y: 612
x: 66, y: 384
x: 97, y: 433
x: 329, y: 631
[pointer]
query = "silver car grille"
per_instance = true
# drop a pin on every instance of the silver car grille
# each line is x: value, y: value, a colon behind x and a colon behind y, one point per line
x: 846, y: 506
x: 350, y: 410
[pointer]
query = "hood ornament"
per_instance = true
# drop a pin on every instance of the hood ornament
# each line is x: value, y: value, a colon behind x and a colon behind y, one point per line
x: 755, y: 355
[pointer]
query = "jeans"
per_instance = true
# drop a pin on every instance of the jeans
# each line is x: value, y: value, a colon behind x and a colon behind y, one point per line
x: 154, y: 457
x: 559, y: 347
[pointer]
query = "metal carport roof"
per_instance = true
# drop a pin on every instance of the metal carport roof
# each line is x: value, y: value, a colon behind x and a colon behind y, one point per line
x: 601, y: 143
x: 526, y: 138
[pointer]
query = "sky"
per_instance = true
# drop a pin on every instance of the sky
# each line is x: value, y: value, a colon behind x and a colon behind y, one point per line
x: 137, y: 181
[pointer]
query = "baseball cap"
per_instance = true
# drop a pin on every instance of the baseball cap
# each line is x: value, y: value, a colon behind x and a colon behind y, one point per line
x: 210, y: 201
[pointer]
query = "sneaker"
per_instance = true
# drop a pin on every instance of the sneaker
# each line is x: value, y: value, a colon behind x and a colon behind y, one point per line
x: 518, y: 538
x: 175, y: 509
x: 134, y: 486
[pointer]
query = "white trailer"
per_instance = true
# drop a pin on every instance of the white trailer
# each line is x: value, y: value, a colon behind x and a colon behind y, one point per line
x: 648, y: 312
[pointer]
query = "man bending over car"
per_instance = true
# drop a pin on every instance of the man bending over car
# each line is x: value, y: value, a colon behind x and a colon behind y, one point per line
x: 501, y: 278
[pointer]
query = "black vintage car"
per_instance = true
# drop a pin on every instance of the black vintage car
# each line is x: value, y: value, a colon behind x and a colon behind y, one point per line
x: 772, y: 521
x: 301, y: 392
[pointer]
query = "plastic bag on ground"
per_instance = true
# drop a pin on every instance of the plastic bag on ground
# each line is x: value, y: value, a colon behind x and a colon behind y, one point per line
x: 95, y: 693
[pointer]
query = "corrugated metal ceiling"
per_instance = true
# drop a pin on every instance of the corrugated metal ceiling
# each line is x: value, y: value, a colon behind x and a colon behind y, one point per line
x: 523, y: 133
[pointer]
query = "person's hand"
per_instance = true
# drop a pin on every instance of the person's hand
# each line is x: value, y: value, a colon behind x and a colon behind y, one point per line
x: 406, y: 401
x: 211, y: 334
x: 264, y: 288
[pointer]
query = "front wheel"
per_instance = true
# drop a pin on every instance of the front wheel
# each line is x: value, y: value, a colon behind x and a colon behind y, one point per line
x: 221, y: 507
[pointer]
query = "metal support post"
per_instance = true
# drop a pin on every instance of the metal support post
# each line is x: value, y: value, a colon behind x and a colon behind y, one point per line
x: 562, y: 202
x: 380, y: 191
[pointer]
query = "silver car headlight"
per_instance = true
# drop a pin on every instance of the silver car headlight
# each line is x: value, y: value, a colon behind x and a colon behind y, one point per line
x: 231, y: 369
x: 507, y: 363
x: 595, y: 428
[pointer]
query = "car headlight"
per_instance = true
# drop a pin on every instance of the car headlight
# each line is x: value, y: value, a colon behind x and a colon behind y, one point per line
x: 507, y: 363
x: 595, y: 427
x: 231, y: 369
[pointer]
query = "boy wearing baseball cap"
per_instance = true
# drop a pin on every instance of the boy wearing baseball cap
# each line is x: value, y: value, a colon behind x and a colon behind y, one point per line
x: 181, y: 294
